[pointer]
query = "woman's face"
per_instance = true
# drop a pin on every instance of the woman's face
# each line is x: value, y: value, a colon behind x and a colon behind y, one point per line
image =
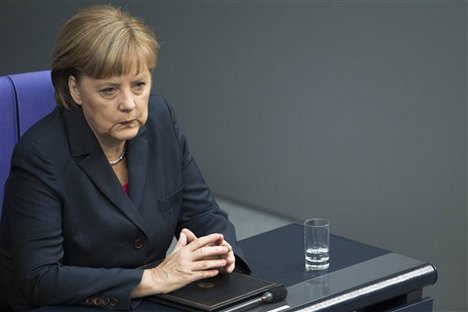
x: 116, y: 107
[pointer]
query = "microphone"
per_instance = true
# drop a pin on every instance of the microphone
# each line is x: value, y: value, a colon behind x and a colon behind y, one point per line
x: 273, y: 295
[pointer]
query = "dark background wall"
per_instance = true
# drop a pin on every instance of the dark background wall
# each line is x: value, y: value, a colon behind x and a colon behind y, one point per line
x: 351, y: 110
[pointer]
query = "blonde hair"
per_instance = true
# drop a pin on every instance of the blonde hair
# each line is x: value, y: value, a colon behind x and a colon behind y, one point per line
x: 100, y: 41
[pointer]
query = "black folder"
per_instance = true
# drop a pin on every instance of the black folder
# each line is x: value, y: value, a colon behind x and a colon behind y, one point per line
x: 216, y: 293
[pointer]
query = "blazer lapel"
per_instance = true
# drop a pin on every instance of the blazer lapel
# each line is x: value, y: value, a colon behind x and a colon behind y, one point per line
x: 137, y: 161
x: 89, y: 155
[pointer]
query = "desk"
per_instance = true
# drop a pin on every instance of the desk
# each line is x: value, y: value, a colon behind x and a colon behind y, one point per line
x: 360, y: 277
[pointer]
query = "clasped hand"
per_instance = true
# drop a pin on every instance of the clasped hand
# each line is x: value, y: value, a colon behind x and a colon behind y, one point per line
x: 192, y: 259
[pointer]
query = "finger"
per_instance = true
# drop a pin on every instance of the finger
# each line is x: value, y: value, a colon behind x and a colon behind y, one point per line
x: 181, y: 242
x: 229, y: 249
x: 204, y: 241
x: 220, y: 241
x: 204, y: 274
x: 230, y: 263
x: 203, y: 265
x: 231, y: 259
x: 230, y: 268
x: 210, y: 252
x: 225, y: 243
x: 227, y: 269
x: 190, y: 235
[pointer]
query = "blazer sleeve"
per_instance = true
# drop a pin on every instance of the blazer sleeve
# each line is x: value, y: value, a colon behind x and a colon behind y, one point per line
x: 199, y: 212
x: 37, y: 243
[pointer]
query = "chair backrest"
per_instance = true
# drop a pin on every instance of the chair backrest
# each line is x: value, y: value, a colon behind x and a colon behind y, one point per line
x: 24, y: 99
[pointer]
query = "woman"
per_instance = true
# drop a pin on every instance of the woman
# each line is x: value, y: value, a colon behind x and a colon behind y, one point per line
x: 100, y: 186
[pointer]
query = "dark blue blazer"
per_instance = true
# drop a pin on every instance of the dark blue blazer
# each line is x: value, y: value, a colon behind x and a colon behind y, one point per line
x: 71, y: 235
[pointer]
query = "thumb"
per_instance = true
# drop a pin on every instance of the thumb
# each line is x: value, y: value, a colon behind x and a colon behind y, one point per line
x: 181, y: 242
x: 189, y: 234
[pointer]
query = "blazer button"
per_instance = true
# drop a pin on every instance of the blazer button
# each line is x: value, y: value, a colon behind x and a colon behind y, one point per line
x: 89, y: 301
x: 114, y: 302
x: 138, y: 243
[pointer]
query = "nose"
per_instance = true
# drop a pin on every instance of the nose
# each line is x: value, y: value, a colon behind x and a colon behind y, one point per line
x: 127, y: 101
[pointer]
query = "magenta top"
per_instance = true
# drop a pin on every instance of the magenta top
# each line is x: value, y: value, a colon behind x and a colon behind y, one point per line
x: 125, y: 187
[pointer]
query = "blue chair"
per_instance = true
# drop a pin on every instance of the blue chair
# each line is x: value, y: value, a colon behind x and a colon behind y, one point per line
x: 24, y: 99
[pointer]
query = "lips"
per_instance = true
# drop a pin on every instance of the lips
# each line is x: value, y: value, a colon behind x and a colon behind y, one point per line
x: 127, y: 123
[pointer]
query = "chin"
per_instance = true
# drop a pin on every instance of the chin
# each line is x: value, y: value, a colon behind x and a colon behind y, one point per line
x: 127, y: 135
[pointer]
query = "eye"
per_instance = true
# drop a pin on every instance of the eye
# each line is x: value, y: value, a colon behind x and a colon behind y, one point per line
x: 108, y: 91
x: 140, y: 85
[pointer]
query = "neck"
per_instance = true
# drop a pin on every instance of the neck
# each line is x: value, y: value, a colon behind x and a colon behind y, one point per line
x: 114, y: 162
x: 115, y: 153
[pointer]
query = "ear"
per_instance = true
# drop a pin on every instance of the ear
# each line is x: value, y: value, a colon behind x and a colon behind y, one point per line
x: 74, y: 90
